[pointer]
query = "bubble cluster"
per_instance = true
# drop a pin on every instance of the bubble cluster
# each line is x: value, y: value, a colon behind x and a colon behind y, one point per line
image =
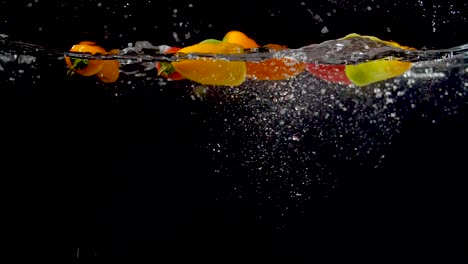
x: 293, y: 139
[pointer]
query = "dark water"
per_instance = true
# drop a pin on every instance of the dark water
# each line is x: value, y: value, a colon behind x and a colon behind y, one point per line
x: 295, y: 171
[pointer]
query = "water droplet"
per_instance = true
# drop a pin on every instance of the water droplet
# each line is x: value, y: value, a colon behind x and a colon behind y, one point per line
x: 176, y: 37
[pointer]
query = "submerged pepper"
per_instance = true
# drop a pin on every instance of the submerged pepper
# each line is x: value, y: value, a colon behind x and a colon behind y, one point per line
x: 212, y: 71
x: 106, y: 70
x: 378, y: 70
x: 270, y: 69
x: 365, y: 73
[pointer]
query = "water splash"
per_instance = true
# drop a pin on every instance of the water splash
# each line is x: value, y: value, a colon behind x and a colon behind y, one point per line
x: 289, y: 137
x: 342, y: 51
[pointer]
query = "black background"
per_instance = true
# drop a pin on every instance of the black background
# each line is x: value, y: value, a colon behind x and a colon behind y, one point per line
x: 141, y: 190
x: 431, y: 24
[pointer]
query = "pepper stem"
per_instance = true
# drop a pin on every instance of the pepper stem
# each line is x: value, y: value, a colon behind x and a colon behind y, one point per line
x: 77, y: 64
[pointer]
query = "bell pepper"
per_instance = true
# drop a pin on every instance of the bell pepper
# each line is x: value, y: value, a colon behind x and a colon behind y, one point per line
x: 212, y: 71
x: 362, y: 74
x: 106, y: 70
x: 270, y: 69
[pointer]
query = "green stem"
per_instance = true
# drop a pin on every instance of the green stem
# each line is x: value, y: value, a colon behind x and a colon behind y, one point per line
x: 77, y: 64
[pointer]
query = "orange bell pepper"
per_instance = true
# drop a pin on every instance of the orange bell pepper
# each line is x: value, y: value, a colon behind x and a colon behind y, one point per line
x: 271, y: 69
x: 212, y: 71
x: 106, y: 70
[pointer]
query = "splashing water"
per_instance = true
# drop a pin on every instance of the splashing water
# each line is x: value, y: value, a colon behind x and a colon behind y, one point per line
x: 288, y: 137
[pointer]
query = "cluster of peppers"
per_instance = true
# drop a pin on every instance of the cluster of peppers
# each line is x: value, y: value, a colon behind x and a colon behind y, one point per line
x: 210, y: 71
